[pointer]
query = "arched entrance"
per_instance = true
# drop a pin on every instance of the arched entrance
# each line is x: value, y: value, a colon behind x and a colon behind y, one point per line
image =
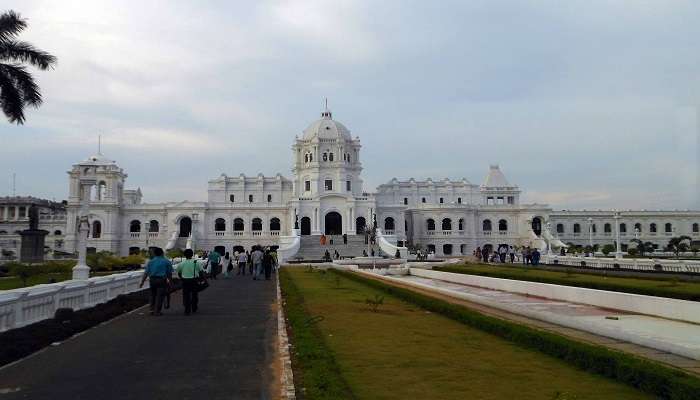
x: 306, y: 226
x: 360, y: 224
x: 185, y: 226
x: 221, y: 250
x: 334, y: 223
x: 537, y: 226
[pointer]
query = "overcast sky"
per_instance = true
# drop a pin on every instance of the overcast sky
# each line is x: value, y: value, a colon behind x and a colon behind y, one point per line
x: 584, y: 104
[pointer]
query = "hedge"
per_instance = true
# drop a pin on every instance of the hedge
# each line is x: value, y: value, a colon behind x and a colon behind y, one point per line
x: 610, y: 286
x: 650, y: 377
x: 316, y: 369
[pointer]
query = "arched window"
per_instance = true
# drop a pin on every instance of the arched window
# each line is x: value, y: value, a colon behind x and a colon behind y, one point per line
x: 256, y: 225
x: 3, y: 232
x: 447, y: 249
x: 330, y: 157
x: 577, y: 228
x: 623, y: 228
x: 96, y: 229
x: 560, y: 228
x: 135, y: 226
x: 652, y: 227
x: 638, y: 227
x: 232, y: 198
x: 153, y: 226
x: 446, y: 224
x: 275, y: 224
x: 668, y: 228
x: 594, y: 228
x: 306, y: 158
x: 101, y: 190
x: 696, y: 227
x: 431, y: 224
x: 502, y: 225
x: 325, y: 156
x: 238, y: 225
x: 607, y: 228
x: 388, y: 224
x: 486, y: 225
x: 460, y: 224
x: 57, y: 233
x: 311, y: 157
x: 220, y: 225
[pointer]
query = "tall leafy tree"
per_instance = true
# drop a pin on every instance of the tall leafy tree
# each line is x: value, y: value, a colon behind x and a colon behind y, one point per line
x: 17, y: 87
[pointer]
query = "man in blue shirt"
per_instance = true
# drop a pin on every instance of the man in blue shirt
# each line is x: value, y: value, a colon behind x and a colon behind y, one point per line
x: 159, y: 272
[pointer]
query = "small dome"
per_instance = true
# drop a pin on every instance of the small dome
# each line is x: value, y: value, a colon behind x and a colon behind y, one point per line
x: 327, y: 128
x: 98, y: 159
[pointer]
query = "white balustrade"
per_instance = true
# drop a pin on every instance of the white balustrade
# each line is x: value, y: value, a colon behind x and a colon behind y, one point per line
x: 257, y: 233
x: 274, y: 233
x: 237, y: 233
x: 220, y: 233
x: 135, y: 235
x: 20, y: 307
x: 153, y: 235
x: 636, y: 264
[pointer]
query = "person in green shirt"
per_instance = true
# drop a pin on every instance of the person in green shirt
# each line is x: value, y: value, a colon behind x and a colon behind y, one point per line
x: 189, y: 271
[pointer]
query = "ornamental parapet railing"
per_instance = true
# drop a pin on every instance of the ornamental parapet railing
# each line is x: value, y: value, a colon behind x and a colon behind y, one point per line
x: 20, y: 307
x: 634, y: 264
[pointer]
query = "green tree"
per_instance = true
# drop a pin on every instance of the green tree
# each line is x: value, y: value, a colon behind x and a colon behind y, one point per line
x: 643, y: 247
x: 17, y: 86
x: 608, y: 248
x: 679, y: 244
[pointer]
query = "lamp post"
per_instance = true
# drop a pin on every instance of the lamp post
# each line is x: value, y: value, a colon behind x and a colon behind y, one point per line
x: 548, y: 225
x: 82, y: 270
x: 590, y: 234
x: 618, y: 251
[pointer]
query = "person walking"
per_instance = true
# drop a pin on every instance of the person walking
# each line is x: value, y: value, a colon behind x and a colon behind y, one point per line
x: 189, y: 271
x: 250, y: 261
x: 268, y: 261
x: 159, y: 271
x: 477, y: 253
x: 485, y: 254
x: 256, y: 257
x: 227, y: 265
x: 214, y: 261
x: 242, y: 262
x: 345, y: 238
x: 275, y: 264
x: 511, y: 254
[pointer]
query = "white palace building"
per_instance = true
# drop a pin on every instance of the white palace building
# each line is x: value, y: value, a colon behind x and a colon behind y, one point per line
x: 325, y: 195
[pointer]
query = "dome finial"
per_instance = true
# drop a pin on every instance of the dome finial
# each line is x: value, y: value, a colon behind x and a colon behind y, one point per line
x: 326, y: 114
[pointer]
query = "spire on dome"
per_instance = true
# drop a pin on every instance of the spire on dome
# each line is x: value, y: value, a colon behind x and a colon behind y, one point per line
x: 326, y: 114
x: 495, y: 178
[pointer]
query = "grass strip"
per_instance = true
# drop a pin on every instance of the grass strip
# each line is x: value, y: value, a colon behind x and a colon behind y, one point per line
x: 647, y: 376
x: 316, y: 369
x: 658, y: 288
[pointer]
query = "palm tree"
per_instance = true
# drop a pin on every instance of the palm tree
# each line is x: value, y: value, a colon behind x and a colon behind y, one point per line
x: 17, y: 87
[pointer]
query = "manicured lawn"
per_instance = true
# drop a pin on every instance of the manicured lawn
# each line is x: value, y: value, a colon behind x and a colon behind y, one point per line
x: 677, y: 289
x: 405, y: 352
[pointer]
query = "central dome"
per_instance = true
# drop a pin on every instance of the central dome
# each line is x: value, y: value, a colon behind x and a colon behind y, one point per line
x: 327, y: 128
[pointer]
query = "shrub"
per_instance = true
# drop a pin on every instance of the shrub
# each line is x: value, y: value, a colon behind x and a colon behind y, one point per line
x: 607, y: 249
x: 642, y: 374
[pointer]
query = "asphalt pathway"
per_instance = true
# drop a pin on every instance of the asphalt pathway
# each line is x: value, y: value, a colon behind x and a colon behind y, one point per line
x: 225, y: 351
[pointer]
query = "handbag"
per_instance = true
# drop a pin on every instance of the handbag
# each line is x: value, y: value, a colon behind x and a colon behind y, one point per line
x: 201, y: 282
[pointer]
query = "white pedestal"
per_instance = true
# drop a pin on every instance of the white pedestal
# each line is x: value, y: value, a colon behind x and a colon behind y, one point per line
x: 81, y: 272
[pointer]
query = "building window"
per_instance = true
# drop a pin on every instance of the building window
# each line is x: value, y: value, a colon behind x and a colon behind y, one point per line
x: 325, y: 156
x: 22, y: 212
x: 623, y: 228
x: 232, y: 198
x: 431, y: 248
x: 459, y: 200
x: 257, y: 224
x: 696, y: 227
x: 250, y: 198
x: 447, y: 249
x: 328, y: 184
x: 607, y: 228
x: 330, y: 157
x: 638, y: 227
x: 307, y: 186
x: 275, y: 224
x: 96, y: 229
x: 348, y: 186
x: 306, y: 158
x: 499, y: 200
x: 58, y: 233
x: 461, y: 224
x: 441, y: 200
x: 502, y: 225
x: 577, y: 228
x: 668, y: 227
x: 135, y: 226
x: 220, y: 225
x: 238, y: 225
x: 446, y: 224
x: 486, y: 225
x: 511, y: 199
x: 652, y: 227
x: 423, y: 200
x: 560, y: 228
x: 153, y: 226
x: 388, y: 224
x: 405, y: 200
x: 594, y: 228
x: 430, y: 224
x: 269, y: 198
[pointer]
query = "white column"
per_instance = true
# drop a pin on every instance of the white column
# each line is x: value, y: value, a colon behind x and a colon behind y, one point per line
x: 82, y: 270
x: 618, y: 251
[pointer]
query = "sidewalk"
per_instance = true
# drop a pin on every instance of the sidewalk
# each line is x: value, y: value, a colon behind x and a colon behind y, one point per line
x: 226, y: 350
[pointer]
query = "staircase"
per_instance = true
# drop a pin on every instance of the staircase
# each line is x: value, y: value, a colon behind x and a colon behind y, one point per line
x: 311, y: 249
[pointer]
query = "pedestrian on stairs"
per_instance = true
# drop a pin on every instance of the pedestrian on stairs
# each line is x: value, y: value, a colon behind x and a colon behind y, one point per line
x: 345, y: 238
x: 242, y: 261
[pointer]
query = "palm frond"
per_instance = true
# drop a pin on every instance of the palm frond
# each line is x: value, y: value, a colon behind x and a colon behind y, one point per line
x: 11, y: 100
x: 14, y: 51
x: 24, y: 83
x: 11, y: 24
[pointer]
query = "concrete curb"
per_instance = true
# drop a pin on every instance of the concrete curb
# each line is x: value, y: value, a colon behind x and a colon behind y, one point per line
x: 288, y: 392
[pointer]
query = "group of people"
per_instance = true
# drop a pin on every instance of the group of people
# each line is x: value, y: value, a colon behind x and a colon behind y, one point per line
x: 505, y: 253
x: 192, y: 274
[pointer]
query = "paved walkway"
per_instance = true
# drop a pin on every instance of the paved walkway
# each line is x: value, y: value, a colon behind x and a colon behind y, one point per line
x: 226, y: 350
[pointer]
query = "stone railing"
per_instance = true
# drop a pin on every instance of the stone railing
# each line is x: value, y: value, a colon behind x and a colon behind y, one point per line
x: 635, y: 264
x: 20, y: 307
